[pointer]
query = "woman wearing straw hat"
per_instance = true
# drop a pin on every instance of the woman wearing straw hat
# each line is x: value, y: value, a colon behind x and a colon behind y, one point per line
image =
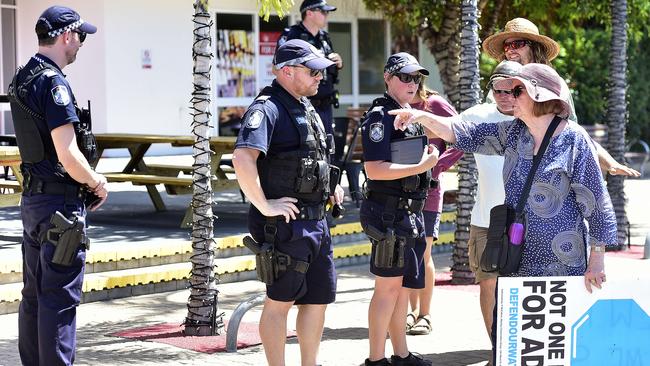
x: 520, y: 41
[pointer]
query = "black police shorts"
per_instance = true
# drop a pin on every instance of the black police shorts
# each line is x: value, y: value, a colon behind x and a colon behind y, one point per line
x: 413, y: 270
x: 305, y: 240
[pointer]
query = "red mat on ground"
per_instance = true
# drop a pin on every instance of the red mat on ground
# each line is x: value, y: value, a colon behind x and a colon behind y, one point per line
x: 172, y: 334
x: 443, y: 280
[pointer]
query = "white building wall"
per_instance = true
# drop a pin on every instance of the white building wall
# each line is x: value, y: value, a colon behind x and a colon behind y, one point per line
x: 87, y: 75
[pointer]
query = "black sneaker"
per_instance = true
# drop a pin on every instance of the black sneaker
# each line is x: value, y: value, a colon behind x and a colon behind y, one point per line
x: 382, y: 362
x: 410, y: 360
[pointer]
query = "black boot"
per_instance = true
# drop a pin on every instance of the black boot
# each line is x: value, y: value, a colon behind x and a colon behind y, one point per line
x: 410, y: 360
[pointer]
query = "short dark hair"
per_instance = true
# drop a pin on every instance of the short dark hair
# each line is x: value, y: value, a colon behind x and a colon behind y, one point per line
x: 45, y: 40
x: 548, y: 107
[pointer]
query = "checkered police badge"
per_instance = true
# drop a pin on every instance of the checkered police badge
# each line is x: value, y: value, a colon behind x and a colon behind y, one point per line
x: 377, y: 131
x: 60, y: 95
x: 254, y: 120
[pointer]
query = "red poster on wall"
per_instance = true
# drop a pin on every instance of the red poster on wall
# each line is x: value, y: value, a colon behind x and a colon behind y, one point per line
x: 267, y: 44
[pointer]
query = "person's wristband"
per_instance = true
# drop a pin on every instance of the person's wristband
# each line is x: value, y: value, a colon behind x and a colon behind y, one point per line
x: 598, y: 248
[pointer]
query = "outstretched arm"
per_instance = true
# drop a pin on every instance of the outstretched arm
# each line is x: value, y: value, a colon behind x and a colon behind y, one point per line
x: 439, y: 126
x: 611, y: 166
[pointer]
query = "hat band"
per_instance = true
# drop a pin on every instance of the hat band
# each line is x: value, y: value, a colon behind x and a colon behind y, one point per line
x: 68, y: 27
x: 296, y: 61
x: 397, y: 67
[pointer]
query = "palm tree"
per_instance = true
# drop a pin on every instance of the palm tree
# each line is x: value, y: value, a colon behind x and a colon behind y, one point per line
x: 202, y: 311
x: 470, y: 95
x: 617, y: 111
x: 203, y: 317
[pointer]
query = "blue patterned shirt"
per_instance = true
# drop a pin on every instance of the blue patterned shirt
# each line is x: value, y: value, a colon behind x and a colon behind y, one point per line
x: 568, y: 206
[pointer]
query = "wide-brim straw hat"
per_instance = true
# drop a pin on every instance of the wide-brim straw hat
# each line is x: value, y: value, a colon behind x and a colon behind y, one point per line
x: 523, y: 29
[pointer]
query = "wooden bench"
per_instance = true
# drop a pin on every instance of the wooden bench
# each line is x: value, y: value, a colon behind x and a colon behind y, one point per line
x: 173, y: 185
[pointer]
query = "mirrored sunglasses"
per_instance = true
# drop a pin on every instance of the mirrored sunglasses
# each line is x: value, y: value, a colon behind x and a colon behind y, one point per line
x: 82, y: 35
x: 517, y: 90
x: 408, y: 78
x: 515, y: 45
x: 313, y: 73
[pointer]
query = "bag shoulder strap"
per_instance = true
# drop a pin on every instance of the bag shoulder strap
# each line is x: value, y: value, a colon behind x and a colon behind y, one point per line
x: 536, y: 160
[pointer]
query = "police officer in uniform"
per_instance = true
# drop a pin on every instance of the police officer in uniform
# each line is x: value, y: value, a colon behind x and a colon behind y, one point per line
x: 55, y: 145
x: 310, y: 29
x: 391, y: 214
x: 281, y: 159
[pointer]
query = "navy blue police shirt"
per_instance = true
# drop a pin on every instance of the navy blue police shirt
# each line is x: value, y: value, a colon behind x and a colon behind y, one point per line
x: 378, y: 131
x: 268, y: 127
x: 50, y: 96
x: 322, y: 42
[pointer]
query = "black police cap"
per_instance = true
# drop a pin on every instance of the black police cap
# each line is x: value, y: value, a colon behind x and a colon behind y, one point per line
x: 57, y: 20
x: 405, y: 63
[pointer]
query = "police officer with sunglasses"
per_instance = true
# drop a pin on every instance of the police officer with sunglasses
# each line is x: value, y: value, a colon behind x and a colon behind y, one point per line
x: 56, y: 146
x: 391, y: 214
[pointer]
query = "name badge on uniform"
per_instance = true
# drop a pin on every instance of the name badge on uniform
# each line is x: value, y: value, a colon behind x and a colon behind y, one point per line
x: 254, y: 120
x: 60, y: 95
x: 376, y: 132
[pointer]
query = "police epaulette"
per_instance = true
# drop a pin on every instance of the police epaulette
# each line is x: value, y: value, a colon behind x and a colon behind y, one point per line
x: 262, y: 98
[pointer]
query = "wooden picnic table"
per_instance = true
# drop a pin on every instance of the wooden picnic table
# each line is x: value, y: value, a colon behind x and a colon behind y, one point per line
x: 138, y: 172
x: 9, y: 157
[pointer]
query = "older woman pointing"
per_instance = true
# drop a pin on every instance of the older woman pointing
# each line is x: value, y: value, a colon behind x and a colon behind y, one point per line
x: 567, y: 188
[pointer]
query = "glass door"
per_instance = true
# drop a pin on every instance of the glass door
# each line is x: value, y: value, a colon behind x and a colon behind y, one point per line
x: 7, y: 59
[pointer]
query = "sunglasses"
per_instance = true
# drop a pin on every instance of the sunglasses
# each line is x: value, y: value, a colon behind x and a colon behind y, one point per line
x: 408, y: 78
x: 515, y: 45
x: 82, y: 35
x: 517, y: 90
x: 313, y: 73
x: 498, y: 92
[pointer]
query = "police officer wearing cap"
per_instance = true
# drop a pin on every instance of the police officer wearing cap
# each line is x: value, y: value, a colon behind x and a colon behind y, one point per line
x: 281, y: 159
x: 55, y: 145
x: 314, y: 19
x: 391, y: 214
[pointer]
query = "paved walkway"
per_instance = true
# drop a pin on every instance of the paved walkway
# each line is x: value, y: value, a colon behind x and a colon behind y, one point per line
x: 458, y: 337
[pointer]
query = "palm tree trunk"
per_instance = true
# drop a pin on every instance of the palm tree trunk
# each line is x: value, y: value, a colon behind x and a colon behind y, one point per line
x: 617, y: 112
x: 202, y: 311
x: 470, y: 95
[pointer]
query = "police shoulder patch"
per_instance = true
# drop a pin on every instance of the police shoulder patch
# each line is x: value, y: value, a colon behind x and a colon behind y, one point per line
x: 254, y: 120
x: 60, y: 95
x: 49, y: 73
x: 282, y: 40
x: 376, y: 132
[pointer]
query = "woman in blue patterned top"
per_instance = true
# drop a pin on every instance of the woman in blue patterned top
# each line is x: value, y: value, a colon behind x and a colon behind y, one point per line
x: 568, y: 208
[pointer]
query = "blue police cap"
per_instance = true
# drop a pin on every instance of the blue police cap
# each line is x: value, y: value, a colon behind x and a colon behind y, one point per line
x: 57, y: 20
x: 316, y: 4
x: 299, y: 52
x: 404, y: 63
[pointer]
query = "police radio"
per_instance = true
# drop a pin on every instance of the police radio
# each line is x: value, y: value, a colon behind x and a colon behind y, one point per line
x: 85, y: 138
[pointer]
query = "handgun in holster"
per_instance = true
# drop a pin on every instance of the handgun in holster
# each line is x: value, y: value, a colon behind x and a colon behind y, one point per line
x: 264, y: 260
x: 389, y: 248
x: 68, y: 236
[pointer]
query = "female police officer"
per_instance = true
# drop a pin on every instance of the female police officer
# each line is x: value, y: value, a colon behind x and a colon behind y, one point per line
x: 391, y: 214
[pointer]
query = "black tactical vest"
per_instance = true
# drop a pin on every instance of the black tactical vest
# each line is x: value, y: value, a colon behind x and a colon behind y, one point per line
x: 411, y: 187
x: 32, y: 134
x: 302, y: 173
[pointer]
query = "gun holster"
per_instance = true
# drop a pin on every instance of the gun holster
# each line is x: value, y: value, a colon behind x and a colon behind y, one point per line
x: 388, y: 248
x: 270, y: 263
x: 67, y: 234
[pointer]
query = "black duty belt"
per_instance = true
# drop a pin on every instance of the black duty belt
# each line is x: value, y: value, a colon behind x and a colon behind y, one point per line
x: 411, y: 205
x: 33, y: 185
